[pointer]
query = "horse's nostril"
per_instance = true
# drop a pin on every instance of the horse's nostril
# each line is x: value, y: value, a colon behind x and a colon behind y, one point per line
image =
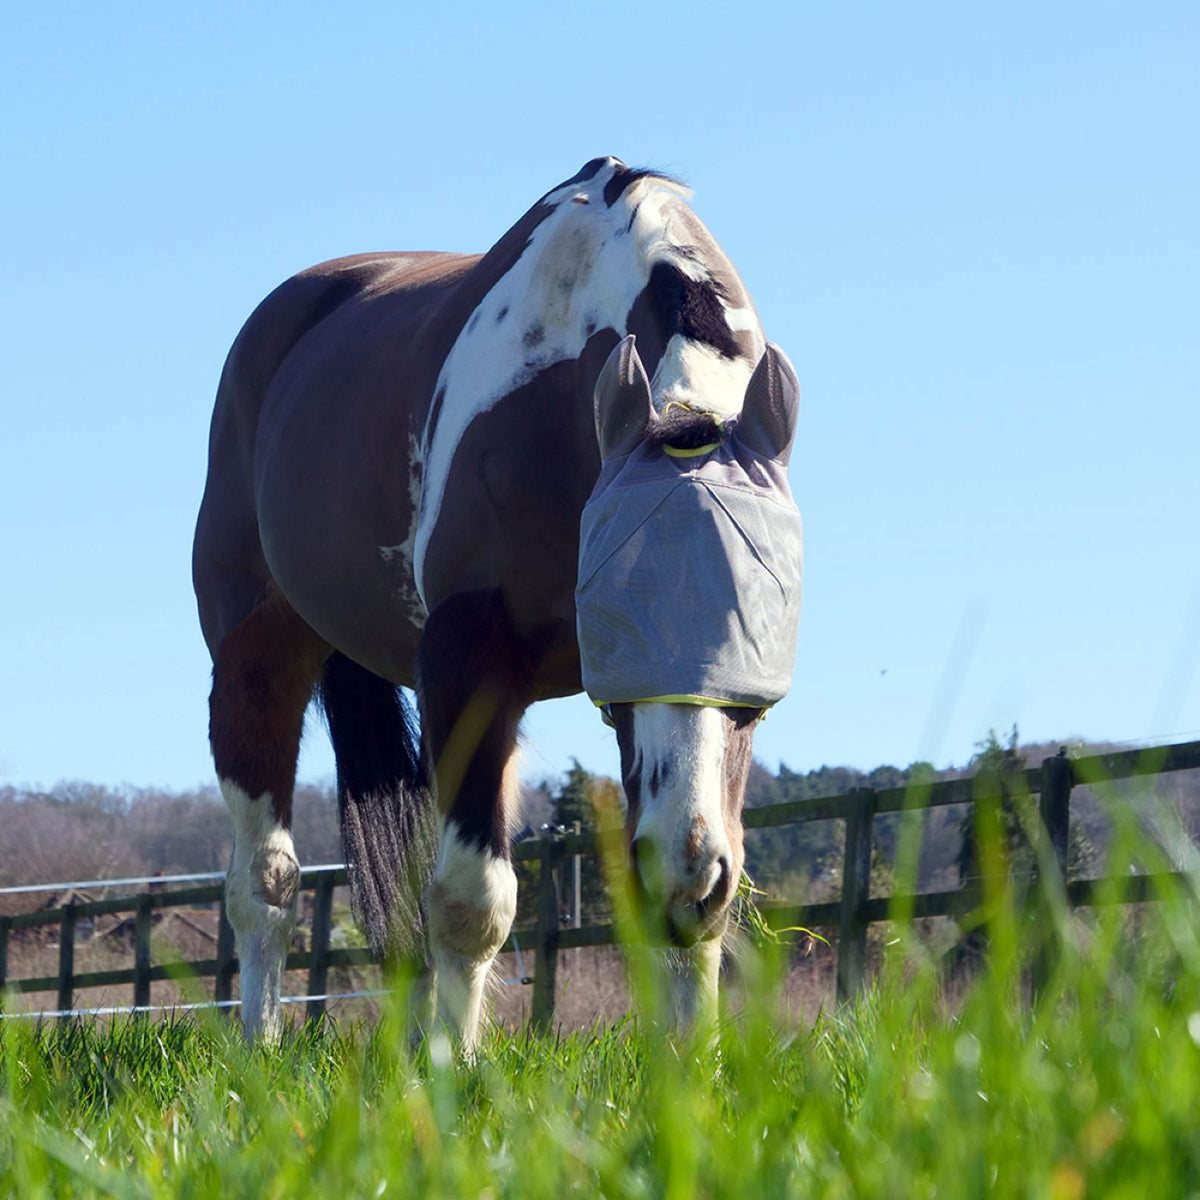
x: 719, y: 892
x: 645, y: 863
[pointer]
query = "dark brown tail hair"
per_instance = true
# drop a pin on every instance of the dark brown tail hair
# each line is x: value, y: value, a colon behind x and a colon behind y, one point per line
x: 388, y: 819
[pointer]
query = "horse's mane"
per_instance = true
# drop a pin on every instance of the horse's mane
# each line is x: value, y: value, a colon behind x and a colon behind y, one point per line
x: 623, y: 180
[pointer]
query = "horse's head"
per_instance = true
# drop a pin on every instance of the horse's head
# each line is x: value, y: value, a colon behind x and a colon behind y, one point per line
x: 687, y: 605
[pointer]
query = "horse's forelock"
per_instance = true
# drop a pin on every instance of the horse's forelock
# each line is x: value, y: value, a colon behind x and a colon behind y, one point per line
x: 686, y: 428
x: 624, y: 179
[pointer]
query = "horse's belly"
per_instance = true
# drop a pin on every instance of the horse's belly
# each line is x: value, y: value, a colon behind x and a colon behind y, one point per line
x: 336, y: 519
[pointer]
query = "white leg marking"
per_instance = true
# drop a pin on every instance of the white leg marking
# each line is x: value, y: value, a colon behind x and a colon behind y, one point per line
x: 260, y: 898
x: 472, y: 902
x: 400, y: 556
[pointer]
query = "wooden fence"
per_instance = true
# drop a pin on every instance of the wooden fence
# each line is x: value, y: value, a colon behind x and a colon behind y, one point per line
x: 851, y: 915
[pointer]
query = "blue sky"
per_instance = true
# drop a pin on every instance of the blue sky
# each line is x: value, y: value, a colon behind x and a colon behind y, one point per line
x: 973, y: 231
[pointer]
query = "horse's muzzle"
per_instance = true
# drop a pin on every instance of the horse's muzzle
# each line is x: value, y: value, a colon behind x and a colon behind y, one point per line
x: 681, y: 908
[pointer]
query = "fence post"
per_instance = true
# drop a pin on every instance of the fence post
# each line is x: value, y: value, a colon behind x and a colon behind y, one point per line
x: 856, y: 891
x: 141, y: 953
x: 318, y: 959
x: 5, y: 926
x: 577, y: 908
x: 1054, y: 808
x: 1054, y: 805
x: 545, y: 969
x: 223, y: 980
x: 66, y: 958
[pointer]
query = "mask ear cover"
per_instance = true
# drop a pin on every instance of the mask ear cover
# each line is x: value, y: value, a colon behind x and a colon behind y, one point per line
x: 622, y: 403
x: 771, y: 407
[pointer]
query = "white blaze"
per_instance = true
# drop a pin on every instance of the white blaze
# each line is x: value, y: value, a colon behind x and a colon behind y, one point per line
x: 682, y: 746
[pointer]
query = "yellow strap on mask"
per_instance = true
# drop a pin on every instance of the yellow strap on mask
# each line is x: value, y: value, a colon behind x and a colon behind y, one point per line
x: 680, y: 451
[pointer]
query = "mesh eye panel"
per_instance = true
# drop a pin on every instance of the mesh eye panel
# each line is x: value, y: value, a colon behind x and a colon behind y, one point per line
x: 689, y: 578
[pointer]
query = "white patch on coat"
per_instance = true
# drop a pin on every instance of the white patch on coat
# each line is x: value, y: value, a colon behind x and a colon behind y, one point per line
x: 694, y: 373
x: 260, y: 899
x: 584, y: 266
x: 401, y: 554
x: 472, y: 903
x: 683, y: 746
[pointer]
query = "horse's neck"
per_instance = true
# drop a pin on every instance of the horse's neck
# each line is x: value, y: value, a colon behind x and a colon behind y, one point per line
x: 583, y: 270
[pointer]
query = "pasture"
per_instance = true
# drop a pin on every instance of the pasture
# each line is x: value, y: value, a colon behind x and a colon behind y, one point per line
x: 1091, y: 1088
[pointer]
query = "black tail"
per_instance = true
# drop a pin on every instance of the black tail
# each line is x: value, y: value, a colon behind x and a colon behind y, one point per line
x: 389, y: 828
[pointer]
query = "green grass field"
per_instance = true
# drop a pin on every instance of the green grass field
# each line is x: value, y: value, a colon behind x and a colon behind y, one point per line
x: 1092, y: 1090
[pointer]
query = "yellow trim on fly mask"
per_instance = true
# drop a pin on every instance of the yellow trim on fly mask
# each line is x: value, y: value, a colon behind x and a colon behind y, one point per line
x: 700, y: 701
x: 682, y: 452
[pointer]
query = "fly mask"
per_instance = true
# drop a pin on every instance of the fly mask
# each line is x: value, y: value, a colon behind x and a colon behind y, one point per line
x: 690, y: 560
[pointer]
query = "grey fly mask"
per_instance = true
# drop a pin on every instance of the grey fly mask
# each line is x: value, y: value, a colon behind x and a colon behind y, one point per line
x: 690, y: 561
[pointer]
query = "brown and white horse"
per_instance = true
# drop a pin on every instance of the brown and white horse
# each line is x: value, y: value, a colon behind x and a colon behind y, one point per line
x: 401, y: 450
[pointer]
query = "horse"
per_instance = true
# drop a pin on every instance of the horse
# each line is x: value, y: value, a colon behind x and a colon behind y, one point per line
x: 427, y: 471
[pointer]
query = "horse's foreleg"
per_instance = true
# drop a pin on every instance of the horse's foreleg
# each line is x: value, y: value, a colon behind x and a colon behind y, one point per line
x: 474, y: 687
x: 263, y: 676
x: 472, y: 902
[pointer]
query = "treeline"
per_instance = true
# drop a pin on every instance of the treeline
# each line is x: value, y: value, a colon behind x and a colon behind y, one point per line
x: 807, y: 859
x: 77, y: 831
x: 81, y: 831
x: 803, y: 862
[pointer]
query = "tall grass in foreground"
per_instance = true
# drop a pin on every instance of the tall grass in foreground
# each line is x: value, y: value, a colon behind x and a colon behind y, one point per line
x: 1091, y: 1089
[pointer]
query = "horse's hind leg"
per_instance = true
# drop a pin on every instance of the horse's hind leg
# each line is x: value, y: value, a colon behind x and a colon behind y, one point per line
x: 264, y: 671
x: 475, y: 678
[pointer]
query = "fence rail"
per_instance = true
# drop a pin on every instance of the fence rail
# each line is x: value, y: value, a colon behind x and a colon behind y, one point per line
x: 851, y: 915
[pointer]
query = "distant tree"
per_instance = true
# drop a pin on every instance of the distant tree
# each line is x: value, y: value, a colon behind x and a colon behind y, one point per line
x: 572, y: 801
x: 996, y: 762
x: 579, y: 799
x: 1003, y: 763
x: 315, y: 824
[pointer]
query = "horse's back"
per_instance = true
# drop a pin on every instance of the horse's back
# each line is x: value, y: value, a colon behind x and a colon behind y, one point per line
x: 282, y: 337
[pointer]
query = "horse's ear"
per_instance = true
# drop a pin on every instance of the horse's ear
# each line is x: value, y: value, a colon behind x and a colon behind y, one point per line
x: 768, y: 421
x: 624, y: 409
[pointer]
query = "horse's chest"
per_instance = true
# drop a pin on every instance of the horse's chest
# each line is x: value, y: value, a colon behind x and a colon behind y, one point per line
x: 508, y: 514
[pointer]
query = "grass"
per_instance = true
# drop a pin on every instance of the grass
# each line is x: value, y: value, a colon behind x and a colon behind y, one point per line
x: 1090, y: 1089
x: 1094, y: 1090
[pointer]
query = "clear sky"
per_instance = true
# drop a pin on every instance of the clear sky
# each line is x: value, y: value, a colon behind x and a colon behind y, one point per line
x: 973, y: 229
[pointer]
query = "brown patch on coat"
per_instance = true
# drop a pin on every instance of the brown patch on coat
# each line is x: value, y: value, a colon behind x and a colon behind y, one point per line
x: 264, y: 673
x: 739, y: 751
x: 693, y: 845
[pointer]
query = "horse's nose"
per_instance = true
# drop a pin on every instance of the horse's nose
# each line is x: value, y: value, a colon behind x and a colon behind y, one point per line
x: 701, y: 881
x: 712, y: 886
